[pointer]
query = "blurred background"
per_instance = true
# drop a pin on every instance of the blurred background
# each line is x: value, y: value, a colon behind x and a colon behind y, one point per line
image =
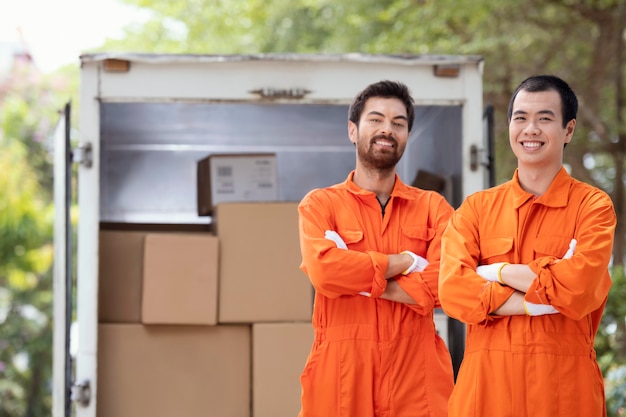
x: 582, y: 41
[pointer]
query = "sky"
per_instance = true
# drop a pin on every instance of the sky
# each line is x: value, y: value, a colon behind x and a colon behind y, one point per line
x: 57, y: 31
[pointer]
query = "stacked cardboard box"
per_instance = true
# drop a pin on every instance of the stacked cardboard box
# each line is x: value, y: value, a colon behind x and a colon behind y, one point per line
x: 279, y: 353
x: 236, y: 178
x: 180, y: 279
x: 217, y: 322
x: 120, y: 276
x: 261, y: 283
x: 260, y: 279
x: 165, y: 371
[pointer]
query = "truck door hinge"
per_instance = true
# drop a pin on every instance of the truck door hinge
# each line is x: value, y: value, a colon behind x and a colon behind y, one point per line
x: 478, y: 157
x: 83, y: 154
x: 81, y: 392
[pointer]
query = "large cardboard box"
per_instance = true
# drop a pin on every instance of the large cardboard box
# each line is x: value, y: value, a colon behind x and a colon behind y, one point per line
x: 180, y: 279
x: 260, y: 278
x: 235, y: 178
x: 279, y: 354
x: 165, y: 371
x: 120, y: 271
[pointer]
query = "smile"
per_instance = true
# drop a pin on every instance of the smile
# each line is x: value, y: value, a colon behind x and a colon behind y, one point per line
x: 386, y: 142
x: 532, y: 145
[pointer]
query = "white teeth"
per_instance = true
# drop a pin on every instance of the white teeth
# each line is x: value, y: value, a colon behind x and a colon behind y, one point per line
x: 531, y: 144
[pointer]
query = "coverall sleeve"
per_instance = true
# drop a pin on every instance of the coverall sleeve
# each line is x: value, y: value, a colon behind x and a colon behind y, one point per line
x: 464, y: 294
x: 333, y: 271
x: 423, y: 287
x: 579, y: 285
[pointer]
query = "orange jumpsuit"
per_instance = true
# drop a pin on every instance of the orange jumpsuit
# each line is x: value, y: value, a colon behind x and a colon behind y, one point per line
x: 542, y: 366
x: 373, y: 357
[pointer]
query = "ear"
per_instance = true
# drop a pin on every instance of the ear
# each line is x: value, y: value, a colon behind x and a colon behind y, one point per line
x: 353, y: 131
x: 569, y: 130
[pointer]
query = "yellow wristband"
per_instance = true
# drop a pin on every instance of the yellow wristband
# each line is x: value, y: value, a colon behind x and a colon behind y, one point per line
x: 406, y: 271
x: 500, y: 272
x: 526, y: 308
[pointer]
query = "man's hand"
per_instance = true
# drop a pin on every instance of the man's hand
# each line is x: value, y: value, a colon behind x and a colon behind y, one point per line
x: 394, y: 292
x: 492, y: 272
x: 570, y: 251
x: 334, y: 236
x: 539, y: 309
x: 418, y: 265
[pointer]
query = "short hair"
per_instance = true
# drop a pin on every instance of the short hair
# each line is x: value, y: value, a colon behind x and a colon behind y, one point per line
x: 539, y: 83
x: 385, y: 89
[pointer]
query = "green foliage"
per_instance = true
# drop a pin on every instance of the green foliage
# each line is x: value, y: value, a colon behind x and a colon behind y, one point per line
x: 610, y: 343
x: 25, y: 219
x: 25, y: 286
x: 616, y: 391
x: 26, y: 252
x: 611, y: 338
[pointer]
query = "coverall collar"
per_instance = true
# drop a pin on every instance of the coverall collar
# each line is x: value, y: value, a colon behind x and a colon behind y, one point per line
x: 555, y: 196
x: 400, y: 189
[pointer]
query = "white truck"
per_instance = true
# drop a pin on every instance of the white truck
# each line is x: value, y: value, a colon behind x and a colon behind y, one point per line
x: 147, y: 119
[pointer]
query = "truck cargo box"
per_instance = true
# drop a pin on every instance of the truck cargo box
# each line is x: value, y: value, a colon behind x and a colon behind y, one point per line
x: 145, y: 123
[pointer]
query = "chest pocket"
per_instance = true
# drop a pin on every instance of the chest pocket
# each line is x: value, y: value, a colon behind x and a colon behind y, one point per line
x: 496, y: 249
x: 551, y: 246
x: 416, y: 239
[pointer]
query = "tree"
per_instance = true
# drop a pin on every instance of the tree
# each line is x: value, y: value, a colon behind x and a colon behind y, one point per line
x: 28, y: 110
x: 25, y: 284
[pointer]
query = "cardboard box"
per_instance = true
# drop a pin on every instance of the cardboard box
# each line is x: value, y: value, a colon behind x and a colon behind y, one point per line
x: 235, y: 178
x: 165, y: 371
x: 260, y: 276
x: 279, y: 354
x: 120, y: 272
x: 180, y: 279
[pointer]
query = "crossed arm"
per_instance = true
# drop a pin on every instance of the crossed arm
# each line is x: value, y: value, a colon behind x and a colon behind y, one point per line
x: 398, y: 264
x: 519, y: 277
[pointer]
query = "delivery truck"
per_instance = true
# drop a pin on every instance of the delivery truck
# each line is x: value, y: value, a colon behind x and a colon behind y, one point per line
x: 178, y: 289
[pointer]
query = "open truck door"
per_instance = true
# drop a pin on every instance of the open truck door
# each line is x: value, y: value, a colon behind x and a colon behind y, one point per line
x: 63, y: 287
x: 73, y: 362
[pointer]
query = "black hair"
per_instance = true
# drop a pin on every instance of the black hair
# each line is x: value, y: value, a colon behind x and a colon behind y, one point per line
x: 386, y: 89
x: 538, y: 83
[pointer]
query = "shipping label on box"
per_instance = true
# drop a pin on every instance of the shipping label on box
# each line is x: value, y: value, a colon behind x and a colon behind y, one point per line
x: 236, y: 178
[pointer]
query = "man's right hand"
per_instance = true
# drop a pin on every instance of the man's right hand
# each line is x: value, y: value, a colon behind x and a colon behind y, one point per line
x: 570, y: 251
x: 418, y: 265
x: 539, y: 309
x: 334, y: 236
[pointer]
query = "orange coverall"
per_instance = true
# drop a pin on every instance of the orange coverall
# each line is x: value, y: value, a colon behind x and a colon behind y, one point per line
x: 542, y: 366
x: 373, y: 357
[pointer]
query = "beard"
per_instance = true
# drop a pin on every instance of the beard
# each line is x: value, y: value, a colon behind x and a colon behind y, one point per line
x: 372, y: 157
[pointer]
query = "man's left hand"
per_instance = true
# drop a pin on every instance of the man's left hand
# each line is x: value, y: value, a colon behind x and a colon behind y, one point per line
x: 492, y: 272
